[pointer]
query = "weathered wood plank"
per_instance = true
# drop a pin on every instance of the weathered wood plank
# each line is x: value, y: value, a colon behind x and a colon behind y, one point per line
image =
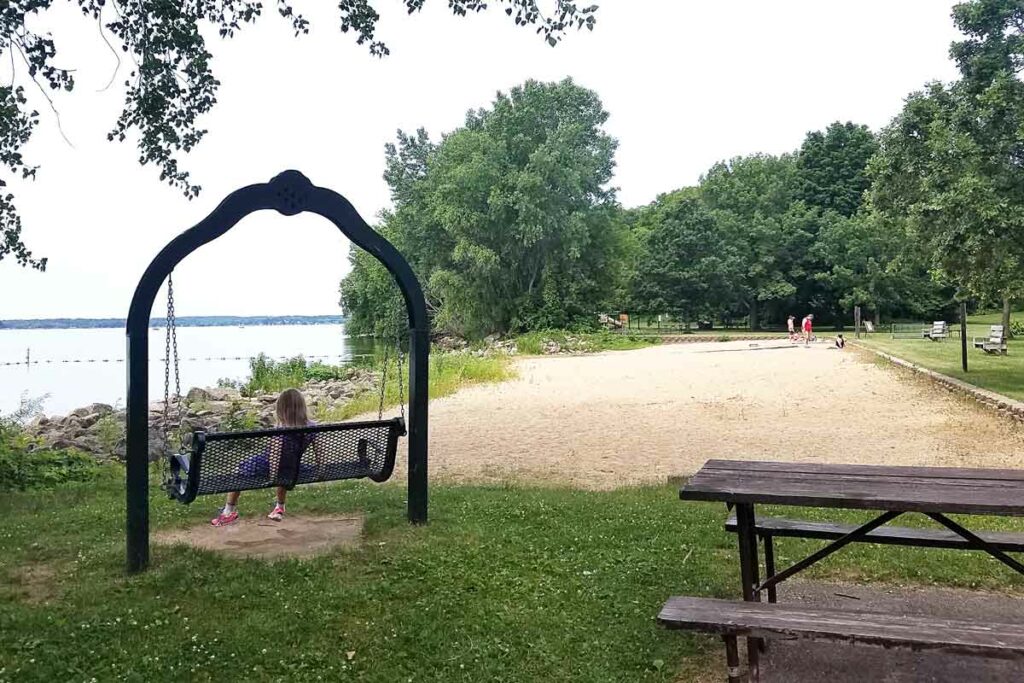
x: 759, y: 619
x: 887, y: 535
x: 874, y: 470
x: 953, y: 490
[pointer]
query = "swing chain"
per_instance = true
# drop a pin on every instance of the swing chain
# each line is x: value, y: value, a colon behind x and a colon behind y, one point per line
x: 383, y: 381
x: 400, y: 361
x: 401, y: 378
x: 171, y: 346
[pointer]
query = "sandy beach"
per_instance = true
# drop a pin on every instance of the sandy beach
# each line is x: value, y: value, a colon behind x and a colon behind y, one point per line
x: 628, y: 417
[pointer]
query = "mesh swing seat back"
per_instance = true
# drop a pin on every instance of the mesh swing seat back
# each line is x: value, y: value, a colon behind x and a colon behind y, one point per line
x: 239, y: 461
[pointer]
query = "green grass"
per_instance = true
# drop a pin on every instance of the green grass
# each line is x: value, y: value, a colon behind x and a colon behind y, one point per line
x: 504, y: 584
x: 449, y: 372
x: 992, y: 317
x: 1002, y: 374
x: 532, y: 343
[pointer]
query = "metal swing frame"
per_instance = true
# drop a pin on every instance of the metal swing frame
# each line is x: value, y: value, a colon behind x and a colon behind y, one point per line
x: 290, y: 193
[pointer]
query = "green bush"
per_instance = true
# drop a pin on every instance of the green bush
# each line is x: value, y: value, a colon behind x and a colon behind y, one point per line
x: 110, y: 431
x: 267, y: 376
x: 1017, y: 328
x: 24, y: 465
x: 239, y: 419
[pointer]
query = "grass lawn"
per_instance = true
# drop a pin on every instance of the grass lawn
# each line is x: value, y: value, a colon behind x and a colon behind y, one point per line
x: 992, y: 317
x: 504, y: 584
x: 1003, y: 374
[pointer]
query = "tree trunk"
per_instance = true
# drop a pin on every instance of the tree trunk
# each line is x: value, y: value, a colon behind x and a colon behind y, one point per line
x: 878, y: 318
x: 753, y: 315
x: 1006, y: 317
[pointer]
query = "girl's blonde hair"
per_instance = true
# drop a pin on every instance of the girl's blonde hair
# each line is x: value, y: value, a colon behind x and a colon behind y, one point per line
x: 291, y: 409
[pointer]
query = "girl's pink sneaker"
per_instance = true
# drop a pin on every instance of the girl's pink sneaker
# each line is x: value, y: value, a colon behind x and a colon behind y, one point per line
x: 277, y: 514
x: 223, y: 519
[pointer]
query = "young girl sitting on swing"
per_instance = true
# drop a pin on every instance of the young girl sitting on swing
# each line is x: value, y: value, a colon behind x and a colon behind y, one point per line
x: 281, y: 460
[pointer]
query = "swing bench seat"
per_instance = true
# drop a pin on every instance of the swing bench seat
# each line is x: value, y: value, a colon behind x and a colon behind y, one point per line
x: 220, y: 462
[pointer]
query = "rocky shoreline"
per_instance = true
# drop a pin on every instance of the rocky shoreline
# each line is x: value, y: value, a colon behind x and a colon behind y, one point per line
x: 98, y: 429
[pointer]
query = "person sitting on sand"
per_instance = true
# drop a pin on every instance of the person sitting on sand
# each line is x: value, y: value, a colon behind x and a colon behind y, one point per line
x: 840, y: 342
x: 281, y: 460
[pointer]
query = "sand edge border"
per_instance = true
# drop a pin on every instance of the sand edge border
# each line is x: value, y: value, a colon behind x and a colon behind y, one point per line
x: 1004, y: 405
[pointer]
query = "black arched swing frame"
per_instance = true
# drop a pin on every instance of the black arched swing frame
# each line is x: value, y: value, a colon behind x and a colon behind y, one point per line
x: 289, y: 193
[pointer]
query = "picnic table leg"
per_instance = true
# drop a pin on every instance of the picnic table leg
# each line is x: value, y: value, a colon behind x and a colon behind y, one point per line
x: 732, y: 658
x: 747, y: 534
x: 769, y: 566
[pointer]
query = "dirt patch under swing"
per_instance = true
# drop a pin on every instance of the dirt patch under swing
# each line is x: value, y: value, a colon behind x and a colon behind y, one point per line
x: 266, y: 539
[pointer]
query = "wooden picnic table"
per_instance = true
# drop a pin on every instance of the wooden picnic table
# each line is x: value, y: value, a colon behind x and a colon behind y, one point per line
x: 933, y: 491
x: 976, y: 491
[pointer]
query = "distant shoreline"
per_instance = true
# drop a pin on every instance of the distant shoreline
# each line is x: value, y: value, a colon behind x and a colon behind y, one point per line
x: 183, y: 321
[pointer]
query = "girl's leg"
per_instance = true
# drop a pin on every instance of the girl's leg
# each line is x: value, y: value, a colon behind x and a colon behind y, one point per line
x: 277, y: 514
x: 229, y: 514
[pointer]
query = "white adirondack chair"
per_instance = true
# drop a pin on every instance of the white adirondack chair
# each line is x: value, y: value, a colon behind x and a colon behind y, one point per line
x: 995, y: 343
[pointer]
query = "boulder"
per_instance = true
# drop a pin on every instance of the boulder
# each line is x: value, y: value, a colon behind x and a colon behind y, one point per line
x: 87, y: 421
x: 99, y: 408
x: 198, y: 394
x: 88, y: 444
x: 223, y: 394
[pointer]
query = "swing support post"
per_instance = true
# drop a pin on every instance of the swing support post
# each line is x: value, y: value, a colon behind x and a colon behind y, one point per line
x: 289, y: 193
x: 419, y: 350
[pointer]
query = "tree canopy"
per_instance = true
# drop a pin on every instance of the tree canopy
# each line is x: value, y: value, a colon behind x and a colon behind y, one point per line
x: 832, y: 167
x: 171, y: 83
x: 508, y: 220
x: 951, y: 164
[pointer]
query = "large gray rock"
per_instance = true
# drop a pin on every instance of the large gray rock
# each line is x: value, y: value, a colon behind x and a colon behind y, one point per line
x: 223, y: 394
x: 198, y: 394
x: 100, y: 409
x: 87, y: 421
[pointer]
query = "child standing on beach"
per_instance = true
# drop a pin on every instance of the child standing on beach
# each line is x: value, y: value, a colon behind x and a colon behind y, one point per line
x: 282, y: 460
x: 807, y: 326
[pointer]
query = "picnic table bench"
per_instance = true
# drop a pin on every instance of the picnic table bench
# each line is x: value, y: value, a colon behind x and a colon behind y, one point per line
x: 932, y: 491
x: 732, y: 619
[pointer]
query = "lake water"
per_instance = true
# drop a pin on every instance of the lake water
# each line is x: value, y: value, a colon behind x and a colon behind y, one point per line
x: 207, y: 354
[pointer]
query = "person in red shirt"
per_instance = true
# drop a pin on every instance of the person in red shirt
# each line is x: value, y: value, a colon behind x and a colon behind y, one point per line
x: 807, y: 327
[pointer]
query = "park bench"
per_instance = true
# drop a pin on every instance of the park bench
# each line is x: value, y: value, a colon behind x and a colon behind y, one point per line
x: 767, y: 528
x: 938, y: 331
x: 995, y: 343
x: 732, y: 619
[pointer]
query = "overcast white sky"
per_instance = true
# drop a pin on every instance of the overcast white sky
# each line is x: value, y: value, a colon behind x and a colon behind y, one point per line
x: 687, y: 83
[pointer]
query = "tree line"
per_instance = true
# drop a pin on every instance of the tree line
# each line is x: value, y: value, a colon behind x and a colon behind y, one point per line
x: 511, y: 223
